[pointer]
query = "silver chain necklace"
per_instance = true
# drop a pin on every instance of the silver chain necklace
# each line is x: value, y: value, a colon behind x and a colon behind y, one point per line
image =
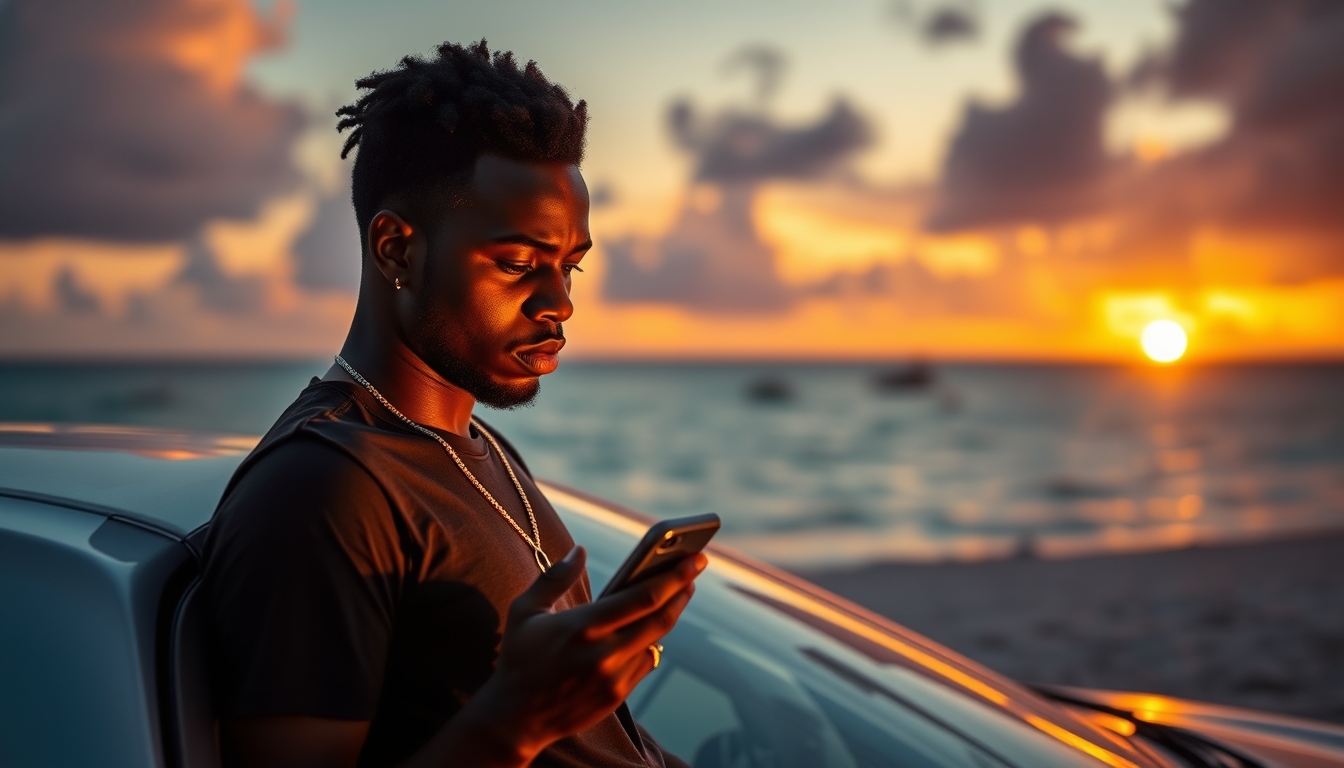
x: 533, y: 541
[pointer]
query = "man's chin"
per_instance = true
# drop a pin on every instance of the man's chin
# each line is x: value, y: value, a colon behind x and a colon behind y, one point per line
x: 494, y: 391
x: 507, y: 396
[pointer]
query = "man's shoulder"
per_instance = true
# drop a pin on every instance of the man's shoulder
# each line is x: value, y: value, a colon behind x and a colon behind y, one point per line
x: 322, y: 404
x: 325, y: 411
x: 301, y: 472
x: 310, y: 443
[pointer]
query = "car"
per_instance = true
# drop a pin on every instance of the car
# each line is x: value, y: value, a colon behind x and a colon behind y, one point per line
x: 102, y: 644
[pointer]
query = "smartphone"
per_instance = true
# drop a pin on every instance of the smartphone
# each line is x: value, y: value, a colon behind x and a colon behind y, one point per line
x: 666, y: 544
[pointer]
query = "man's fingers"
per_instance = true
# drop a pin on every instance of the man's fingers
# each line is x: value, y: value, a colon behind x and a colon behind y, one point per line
x: 637, y: 667
x: 550, y: 586
x: 639, y: 600
x: 639, y: 635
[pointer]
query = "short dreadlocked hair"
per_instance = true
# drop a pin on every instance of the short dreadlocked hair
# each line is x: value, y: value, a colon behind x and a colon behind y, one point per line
x: 421, y: 126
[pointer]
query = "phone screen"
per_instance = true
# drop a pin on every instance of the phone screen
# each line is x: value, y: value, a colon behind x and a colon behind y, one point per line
x: 666, y: 544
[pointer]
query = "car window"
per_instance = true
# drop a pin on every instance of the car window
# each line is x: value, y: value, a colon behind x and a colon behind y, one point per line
x: 749, y: 679
x: 722, y: 703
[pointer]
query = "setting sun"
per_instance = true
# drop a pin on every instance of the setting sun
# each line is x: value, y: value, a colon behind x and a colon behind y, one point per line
x: 1164, y: 341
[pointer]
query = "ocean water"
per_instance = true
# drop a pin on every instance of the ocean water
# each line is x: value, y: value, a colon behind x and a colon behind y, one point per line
x: 816, y: 464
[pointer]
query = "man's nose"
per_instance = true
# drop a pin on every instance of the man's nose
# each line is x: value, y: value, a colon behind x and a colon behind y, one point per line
x: 550, y: 300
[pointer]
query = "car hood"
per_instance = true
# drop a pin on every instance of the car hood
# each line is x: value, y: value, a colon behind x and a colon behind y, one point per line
x: 1275, y: 740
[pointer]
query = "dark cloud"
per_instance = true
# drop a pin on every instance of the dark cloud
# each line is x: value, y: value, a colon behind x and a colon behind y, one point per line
x: 1276, y: 65
x: 714, y: 259
x: 128, y: 121
x: 218, y: 291
x: 1279, y: 67
x: 1040, y: 158
x: 71, y: 296
x: 950, y: 24
x: 326, y: 256
x: 941, y: 25
x: 742, y: 147
x: 1220, y: 46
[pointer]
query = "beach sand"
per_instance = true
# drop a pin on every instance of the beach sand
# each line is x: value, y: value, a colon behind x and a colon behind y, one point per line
x: 1253, y: 625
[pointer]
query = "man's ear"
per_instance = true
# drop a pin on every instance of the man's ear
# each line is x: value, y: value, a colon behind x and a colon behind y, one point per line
x: 394, y: 245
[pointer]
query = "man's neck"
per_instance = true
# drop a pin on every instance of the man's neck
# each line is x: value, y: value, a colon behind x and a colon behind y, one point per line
x: 407, y: 382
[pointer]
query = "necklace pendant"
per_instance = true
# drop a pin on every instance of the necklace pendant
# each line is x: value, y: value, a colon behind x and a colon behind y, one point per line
x: 543, y: 562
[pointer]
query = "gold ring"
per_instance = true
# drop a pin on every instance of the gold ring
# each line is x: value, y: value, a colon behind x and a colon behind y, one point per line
x: 657, y: 650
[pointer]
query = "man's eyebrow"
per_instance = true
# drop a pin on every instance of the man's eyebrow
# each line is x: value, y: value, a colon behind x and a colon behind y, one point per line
x: 541, y: 245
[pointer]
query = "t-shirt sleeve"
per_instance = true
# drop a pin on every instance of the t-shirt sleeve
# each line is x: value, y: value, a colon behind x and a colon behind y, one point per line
x: 303, y: 566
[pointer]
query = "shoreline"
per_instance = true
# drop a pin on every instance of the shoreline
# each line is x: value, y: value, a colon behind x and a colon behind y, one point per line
x: 1257, y: 625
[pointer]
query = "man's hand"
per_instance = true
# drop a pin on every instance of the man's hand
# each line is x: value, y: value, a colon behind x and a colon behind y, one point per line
x: 562, y: 671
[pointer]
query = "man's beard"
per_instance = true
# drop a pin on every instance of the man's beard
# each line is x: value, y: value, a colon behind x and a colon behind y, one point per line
x: 437, y: 353
x: 476, y: 383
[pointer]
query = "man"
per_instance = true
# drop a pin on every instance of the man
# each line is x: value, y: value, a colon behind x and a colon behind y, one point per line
x: 387, y: 586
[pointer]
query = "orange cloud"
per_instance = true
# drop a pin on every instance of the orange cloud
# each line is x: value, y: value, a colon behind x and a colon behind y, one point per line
x: 111, y: 273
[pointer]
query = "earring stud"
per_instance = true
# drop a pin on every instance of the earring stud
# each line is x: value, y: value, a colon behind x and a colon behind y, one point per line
x: 397, y: 282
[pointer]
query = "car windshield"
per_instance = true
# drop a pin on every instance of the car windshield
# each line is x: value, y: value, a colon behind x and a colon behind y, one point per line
x: 758, y: 674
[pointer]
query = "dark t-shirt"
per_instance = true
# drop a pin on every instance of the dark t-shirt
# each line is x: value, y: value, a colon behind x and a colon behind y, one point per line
x: 354, y: 573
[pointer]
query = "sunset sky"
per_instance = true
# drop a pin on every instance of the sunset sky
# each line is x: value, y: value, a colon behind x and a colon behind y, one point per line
x: 985, y: 179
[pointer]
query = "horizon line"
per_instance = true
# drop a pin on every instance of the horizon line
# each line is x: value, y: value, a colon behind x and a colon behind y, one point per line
x: 694, y: 360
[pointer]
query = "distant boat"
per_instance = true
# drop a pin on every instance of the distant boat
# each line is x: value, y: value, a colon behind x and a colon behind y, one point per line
x: 915, y: 376
x: 769, y: 389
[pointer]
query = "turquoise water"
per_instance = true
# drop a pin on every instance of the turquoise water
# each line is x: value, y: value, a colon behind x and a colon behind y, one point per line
x: 821, y: 466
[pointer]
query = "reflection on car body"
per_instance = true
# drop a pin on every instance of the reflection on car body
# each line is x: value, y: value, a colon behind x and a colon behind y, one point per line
x: 100, y: 644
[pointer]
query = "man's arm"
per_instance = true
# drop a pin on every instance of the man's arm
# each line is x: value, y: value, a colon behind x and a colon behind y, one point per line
x: 558, y: 673
x: 304, y: 547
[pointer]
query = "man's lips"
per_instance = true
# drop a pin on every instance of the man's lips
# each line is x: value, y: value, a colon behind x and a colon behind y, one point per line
x: 542, y: 358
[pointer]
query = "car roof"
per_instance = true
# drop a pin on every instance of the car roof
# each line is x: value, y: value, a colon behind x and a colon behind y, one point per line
x: 170, y: 480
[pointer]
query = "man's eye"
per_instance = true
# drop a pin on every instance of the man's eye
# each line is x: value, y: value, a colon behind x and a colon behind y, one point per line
x: 572, y: 268
x: 514, y: 269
